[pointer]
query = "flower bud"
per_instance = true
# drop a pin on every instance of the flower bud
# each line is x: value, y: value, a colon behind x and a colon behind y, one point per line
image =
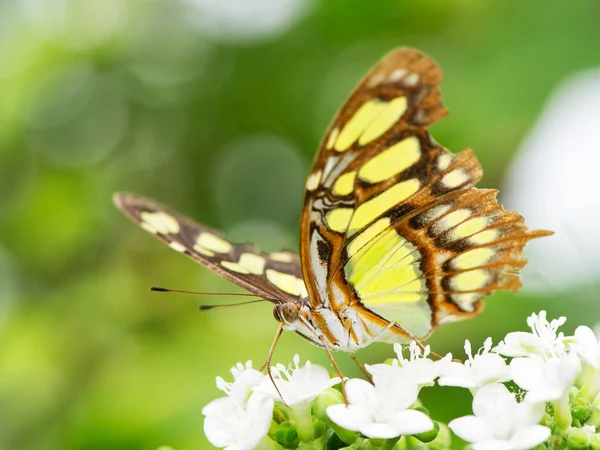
x: 281, y: 413
x: 328, y: 398
x: 286, y: 434
x: 428, y: 436
x: 581, y: 409
x: 443, y: 440
x: 319, y: 427
x: 578, y: 439
x: 421, y: 408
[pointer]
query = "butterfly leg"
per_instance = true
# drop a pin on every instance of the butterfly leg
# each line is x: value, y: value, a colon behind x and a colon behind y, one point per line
x: 361, y: 366
x: 267, y: 363
x: 406, y: 332
x: 336, y: 367
x: 414, y: 338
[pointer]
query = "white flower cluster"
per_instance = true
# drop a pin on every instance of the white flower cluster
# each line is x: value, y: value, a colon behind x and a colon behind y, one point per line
x: 552, y: 394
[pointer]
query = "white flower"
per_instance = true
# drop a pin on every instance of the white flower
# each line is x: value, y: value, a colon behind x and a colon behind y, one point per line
x: 543, y: 339
x: 238, y: 428
x: 297, y: 385
x: 545, y: 380
x: 500, y: 423
x: 240, y: 420
x: 245, y: 378
x: 381, y: 410
x: 419, y: 368
x: 587, y: 345
x: 477, y: 371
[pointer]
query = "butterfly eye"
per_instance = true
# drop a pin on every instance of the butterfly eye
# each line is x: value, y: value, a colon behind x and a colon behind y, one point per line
x: 288, y: 312
x: 276, y: 313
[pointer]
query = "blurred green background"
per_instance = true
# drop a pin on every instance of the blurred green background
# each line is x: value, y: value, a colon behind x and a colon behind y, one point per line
x: 215, y: 108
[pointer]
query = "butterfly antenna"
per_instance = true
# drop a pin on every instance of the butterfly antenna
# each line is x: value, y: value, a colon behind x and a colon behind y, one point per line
x: 181, y: 291
x: 207, y: 307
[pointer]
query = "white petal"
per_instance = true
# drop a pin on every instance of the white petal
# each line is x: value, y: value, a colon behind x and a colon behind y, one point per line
x: 543, y: 394
x: 379, y: 430
x: 411, y: 422
x: 379, y: 370
x: 495, y: 444
x: 527, y: 372
x: 228, y: 425
x: 528, y: 413
x: 307, y: 383
x: 494, y: 401
x: 471, y: 429
x: 362, y: 393
x: 519, y: 343
x: 423, y: 370
x: 490, y: 367
x: 220, y: 422
x: 349, y: 417
x: 217, y: 406
x: 586, y: 344
x: 530, y: 437
x: 457, y: 374
x: 400, y: 393
x: 457, y: 381
x: 243, y: 384
x: 260, y: 411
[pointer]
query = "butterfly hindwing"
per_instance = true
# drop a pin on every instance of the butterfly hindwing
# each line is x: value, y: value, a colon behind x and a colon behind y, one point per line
x: 274, y: 276
x: 392, y: 225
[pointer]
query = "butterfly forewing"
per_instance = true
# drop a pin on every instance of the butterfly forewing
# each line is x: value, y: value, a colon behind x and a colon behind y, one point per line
x: 391, y: 223
x: 273, y: 276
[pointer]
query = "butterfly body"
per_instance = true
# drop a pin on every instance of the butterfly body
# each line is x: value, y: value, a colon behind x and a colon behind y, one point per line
x: 394, y: 238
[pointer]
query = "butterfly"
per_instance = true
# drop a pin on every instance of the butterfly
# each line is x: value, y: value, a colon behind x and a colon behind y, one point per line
x: 394, y: 238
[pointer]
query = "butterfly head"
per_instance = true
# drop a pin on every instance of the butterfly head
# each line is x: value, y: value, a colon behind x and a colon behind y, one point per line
x: 287, y: 312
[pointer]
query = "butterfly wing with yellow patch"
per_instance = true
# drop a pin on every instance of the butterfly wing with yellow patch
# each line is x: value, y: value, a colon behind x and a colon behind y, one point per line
x: 273, y: 276
x: 392, y: 228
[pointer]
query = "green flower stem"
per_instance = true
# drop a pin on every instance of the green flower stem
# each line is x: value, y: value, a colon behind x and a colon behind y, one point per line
x: 591, y: 384
x: 412, y: 442
x: 376, y: 444
x: 321, y: 442
x: 562, y: 412
x: 389, y: 443
x: 266, y: 443
x: 304, y: 423
x: 594, y: 419
x: 595, y: 442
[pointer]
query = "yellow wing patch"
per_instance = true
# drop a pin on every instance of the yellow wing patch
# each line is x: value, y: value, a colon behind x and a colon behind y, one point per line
x: 370, y: 121
x: 384, y: 121
x: 286, y: 282
x: 473, y: 258
x: 372, y: 209
x: 338, y: 219
x: 344, y: 185
x: 212, y: 243
x: 392, y: 161
x: 159, y: 222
